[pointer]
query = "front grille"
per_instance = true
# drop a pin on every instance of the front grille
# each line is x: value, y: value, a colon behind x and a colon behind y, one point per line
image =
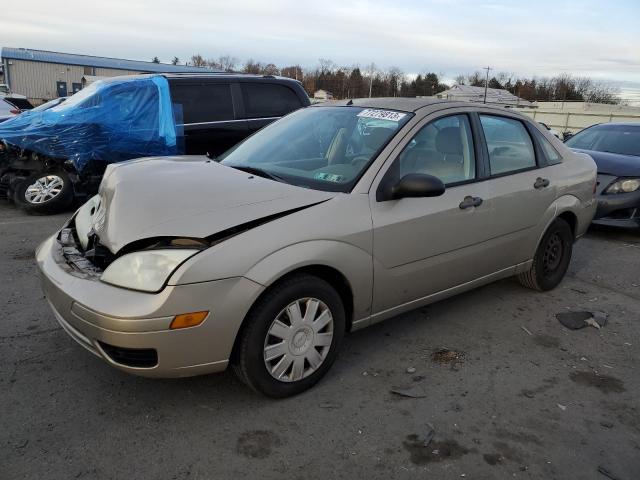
x: 131, y: 357
x: 73, y: 254
x: 91, y: 261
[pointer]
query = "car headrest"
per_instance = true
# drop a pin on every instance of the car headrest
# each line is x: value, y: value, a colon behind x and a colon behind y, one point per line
x: 448, y: 141
x: 376, y: 137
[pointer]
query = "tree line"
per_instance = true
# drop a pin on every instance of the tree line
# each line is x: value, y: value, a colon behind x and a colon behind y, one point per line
x: 356, y: 81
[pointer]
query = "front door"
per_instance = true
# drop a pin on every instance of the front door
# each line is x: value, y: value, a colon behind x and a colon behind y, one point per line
x: 61, y: 89
x: 425, y: 245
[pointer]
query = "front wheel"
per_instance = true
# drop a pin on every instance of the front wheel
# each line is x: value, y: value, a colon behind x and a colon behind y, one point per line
x: 291, y: 336
x: 45, y: 192
x: 552, y: 258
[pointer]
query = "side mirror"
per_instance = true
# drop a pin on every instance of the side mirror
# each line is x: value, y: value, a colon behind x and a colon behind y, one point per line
x: 417, y: 185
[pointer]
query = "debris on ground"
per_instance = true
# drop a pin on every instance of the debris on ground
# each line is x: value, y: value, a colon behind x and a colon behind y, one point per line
x: 330, y: 405
x: 412, y: 392
x: 426, y: 440
x: 526, y: 330
x: 411, y: 370
x: 581, y: 319
x: 562, y: 407
x: 606, y: 424
x: 606, y: 471
x: 444, y: 355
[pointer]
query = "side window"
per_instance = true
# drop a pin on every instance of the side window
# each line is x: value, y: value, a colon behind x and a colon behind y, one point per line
x: 442, y: 148
x: 268, y: 100
x: 509, y: 144
x: 553, y: 157
x: 203, y: 103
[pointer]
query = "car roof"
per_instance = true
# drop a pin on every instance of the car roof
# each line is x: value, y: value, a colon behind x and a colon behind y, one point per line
x: 215, y: 75
x: 410, y: 104
x: 617, y: 124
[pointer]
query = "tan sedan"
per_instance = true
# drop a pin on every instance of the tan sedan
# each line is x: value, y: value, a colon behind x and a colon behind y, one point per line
x: 333, y: 218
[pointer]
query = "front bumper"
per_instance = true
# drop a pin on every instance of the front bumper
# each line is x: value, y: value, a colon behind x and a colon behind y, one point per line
x: 130, y: 330
x: 619, y: 209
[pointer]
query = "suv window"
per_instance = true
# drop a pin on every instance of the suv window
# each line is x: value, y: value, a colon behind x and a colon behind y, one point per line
x: 442, y: 148
x: 509, y: 144
x: 268, y: 100
x: 203, y: 103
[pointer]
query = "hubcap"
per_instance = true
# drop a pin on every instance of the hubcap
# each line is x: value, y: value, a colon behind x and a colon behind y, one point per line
x: 44, y: 189
x: 552, y: 254
x: 298, y: 340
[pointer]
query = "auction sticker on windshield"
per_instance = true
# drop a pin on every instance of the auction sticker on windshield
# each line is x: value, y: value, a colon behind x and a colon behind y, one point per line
x: 382, y: 114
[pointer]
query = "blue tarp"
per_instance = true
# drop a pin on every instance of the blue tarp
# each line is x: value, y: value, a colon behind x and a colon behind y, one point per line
x: 109, y: 121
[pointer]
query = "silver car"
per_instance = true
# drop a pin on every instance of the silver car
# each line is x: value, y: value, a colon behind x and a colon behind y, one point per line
x: 331, y: 219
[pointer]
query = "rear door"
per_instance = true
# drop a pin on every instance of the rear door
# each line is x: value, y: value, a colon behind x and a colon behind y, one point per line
x: 265, y: 102
x: 521, y: 186
x: 209, y: 114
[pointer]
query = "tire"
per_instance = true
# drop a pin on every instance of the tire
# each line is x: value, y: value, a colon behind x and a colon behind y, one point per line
x: 57, y: 193
x: 293, y: 341
x: 552, y: 258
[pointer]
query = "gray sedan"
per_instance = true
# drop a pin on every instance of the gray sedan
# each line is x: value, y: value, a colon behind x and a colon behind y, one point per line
x: 329, y: 220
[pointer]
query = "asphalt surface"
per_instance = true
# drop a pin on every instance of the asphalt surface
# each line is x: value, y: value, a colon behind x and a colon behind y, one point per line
x: 552, y: 404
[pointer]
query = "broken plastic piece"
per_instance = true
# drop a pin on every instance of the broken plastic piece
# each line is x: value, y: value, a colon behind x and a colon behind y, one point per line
x: 578, y: 320
x: 412, y: 392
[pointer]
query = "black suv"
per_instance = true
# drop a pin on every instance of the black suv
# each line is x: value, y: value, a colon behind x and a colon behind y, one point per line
x: 212, y: 112
x: 220, y: 110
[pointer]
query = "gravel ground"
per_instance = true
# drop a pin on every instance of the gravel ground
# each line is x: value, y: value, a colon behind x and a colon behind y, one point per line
x: 517, y: 395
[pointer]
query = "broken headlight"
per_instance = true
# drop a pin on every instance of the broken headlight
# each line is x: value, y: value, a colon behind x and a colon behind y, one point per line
x: 147, y: 270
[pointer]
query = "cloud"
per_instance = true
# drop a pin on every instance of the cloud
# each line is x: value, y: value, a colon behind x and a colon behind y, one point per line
x: 582, y: 37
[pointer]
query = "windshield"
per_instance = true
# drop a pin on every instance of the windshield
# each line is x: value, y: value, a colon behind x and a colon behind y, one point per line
x: 621, y: 139
x: 324, y: 148
x: 49, y: 104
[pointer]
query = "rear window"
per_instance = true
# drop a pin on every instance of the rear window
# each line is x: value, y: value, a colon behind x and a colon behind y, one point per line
x: 203, y: 103
x: 21, y: 103
x: 510, y: 146
x: 268, y: 100
x: 553, y: 157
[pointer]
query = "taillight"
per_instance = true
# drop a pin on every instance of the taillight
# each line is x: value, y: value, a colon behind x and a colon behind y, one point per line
x: 15, y: 111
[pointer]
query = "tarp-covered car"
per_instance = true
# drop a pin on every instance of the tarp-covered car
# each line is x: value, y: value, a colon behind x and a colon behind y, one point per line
x: 49, y: 157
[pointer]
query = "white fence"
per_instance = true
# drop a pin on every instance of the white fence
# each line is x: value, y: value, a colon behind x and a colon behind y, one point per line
x: 573, y: 121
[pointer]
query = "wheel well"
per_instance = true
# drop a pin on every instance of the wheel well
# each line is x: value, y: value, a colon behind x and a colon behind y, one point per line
x: 571, y: 219
x: 329, y: 274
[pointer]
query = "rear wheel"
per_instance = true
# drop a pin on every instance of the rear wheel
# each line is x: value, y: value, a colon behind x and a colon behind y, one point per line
x: 552, y: 258
x: 291, y: 336
x: 45, y: 192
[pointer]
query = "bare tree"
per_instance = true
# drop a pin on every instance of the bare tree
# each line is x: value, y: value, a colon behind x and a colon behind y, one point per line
x: 175, y: 61
x: 155, y: 60
x: 270, y: 69
x: 252, y: 67
x: 198, y: 61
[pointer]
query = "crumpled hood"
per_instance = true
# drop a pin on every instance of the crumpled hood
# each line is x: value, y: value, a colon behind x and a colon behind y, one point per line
x: 188, y: 196
x: 615, y: 163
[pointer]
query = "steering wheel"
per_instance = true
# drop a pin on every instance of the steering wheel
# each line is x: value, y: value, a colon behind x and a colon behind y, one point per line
x: 359, y: 161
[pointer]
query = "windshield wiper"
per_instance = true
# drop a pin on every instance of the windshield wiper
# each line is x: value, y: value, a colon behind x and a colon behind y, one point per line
x: 260, y: 172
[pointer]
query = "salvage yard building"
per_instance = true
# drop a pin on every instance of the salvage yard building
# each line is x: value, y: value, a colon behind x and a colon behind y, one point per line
x: 43, y: 75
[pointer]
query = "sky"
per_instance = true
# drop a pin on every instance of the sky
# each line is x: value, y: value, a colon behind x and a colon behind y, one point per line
x: 599, y: 39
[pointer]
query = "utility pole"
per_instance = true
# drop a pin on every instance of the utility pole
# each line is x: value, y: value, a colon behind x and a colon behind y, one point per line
x: 371, y: 78
x: 486, y: 84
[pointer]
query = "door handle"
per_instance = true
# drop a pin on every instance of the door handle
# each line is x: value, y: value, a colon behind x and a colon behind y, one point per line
x: 470, y: 201
x: 541, y: 183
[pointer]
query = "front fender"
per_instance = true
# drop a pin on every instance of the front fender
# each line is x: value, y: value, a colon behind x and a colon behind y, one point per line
x: 355, y: 264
